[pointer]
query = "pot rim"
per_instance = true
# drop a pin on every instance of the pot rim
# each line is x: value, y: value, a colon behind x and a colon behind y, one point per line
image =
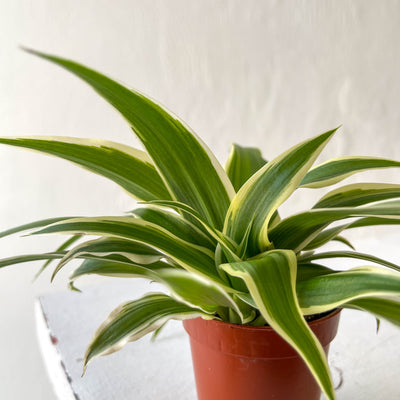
x: 257, y: 342
x: 315, y: 322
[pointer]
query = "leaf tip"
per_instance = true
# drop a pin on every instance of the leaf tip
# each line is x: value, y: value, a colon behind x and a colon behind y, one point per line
x: 29, y: 50
x: 73, y: 288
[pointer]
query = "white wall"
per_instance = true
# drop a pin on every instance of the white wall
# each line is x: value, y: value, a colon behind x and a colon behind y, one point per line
x: 264, y: 73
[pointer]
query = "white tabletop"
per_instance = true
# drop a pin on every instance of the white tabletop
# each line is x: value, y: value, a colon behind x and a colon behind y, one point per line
x: 366, y: 364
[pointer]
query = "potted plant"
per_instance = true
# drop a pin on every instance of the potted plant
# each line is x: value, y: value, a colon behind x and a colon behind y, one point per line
x: 246, y: 282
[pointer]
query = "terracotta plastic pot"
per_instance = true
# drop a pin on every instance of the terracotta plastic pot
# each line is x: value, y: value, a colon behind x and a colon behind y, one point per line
x: 235, y: 362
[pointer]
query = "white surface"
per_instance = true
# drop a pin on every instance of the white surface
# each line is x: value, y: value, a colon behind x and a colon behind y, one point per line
x: 266, y: 73
x: 160, y: 370
x: 366, y: 363
x: 52, y: 357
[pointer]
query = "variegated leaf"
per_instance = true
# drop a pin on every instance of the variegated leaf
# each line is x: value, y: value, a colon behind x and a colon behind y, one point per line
x: 337, y: 169
x: 267, y: 189
x: 326, y: 292
x: 190, y: 171
x: 5, y: 262
x: 242, y: 163
x: 116, y: 268
x: 32, y: 225
x: 348, y: 254
x: 388, y: 309
x: 134, y: 319
x: 196, y: 259
x: 227, y: 245
x: 358, y: 194
x: 307, y: 270
x: 114, y: 248
x: 131, y: 169
x: 185, y: 287
x: 64, y: 246
x: 271, y: 281
x: 297, y: 231
x: 175, y: 224
x: 343, y: 240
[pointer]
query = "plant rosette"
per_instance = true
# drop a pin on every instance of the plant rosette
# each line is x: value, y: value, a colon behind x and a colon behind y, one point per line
x: 214, y: 237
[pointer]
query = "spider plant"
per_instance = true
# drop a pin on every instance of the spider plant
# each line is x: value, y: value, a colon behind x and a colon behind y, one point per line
x: 213, y: 236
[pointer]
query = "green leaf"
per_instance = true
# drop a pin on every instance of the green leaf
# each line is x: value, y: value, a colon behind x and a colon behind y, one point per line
x: 32, y: 225
x: 189, y: 169
x: 5, y: 262
x: 326, y: 292
x: 307, y: 270
x: 343, y: 240
x: 382, y: 308
x: 271, y: 282
x: 157, y: 332
x: 332, y: 233
x: 242, y: 163
x: 372, y: 221
x: 185, y: 287
x: 116, y: 268
x: 199, y: 292
x: 267, y: 189
x: 134, y: 319
x: 194, y: 258
x: 115, y: 249
x: 325, y: 236
x: 297, y: 231
x: 358, y: 194
x: 227, y: 245
x: 349, y: 254
x: 64, y: 246
x: 175, y: 224
x: 129, y: 168
x: 337, y: 169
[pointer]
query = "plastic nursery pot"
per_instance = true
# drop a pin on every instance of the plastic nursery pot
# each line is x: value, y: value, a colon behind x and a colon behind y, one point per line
x: 237, y: 362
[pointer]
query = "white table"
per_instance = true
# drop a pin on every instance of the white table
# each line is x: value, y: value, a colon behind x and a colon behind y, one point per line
x: 368, y: 364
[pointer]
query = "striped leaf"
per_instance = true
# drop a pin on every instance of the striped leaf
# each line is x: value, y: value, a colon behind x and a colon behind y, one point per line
x: 129, y: 168
x: 387, y: 309
x: 297, y: 231
x: 227, y: 245
x: 32, y: 225
x: 358, y: 194
x: 271, y: 282
x: 372, y: 221
x: 134, y: 319
x: 325, y: 292
x: 349, y: 254
x: 175, y: 224
x: 337, y: 169
x: 185, y: 287
x: 343, y: 240
x: 5, y: 262
x: 116, y: 268
x: 190, y: 171
x: 115, y: 249
x: 196, y: 259
x: 326, y: 235
x: 332, y: 233
x: 242, y: 163
x: 199, y: 292
x: 64, y: 246
x: 267, y: 189
x: 307, y: 270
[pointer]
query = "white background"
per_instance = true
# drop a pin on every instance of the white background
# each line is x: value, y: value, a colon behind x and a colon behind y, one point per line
x: 264, y: 73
